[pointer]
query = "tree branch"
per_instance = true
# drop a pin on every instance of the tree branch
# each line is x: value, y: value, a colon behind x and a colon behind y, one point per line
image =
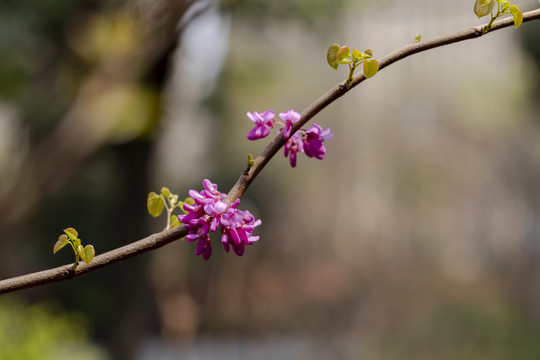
x: 66, y: 272
x: 340, y: 89
x: 157, y: 240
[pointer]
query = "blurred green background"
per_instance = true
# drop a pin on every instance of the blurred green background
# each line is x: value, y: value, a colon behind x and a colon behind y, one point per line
x: 416, y: 238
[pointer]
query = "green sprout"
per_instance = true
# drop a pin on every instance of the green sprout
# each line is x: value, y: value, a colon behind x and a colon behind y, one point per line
x: 251, y: 162
x: 166, y: 200
x: 485, y: 7
x: 338, y: 55
x: 70, y: 236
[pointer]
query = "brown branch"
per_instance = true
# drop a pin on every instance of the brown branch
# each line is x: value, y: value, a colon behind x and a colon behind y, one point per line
x: 66, y: 272
x: 160, y: 239
x: 340, y: 89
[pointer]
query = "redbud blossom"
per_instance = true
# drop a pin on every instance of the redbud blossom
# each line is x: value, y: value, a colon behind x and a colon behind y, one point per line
x: 208, y: 213
x: 290, y: 117
x: 263, y: 124
x: 313, y: 139
x: 308, y: 141
x: 293, y: 146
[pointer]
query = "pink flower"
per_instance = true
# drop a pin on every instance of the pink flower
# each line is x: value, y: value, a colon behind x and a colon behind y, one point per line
x: 208, y: 213
x: 293, y: 146
x: 313, y: 141
x: 308, y: 141
x: 263, y: 124
x: 290, y: 117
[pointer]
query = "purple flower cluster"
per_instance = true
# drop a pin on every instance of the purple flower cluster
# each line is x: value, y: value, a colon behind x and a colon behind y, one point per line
x: 209, y: 212
x: 308, y: 141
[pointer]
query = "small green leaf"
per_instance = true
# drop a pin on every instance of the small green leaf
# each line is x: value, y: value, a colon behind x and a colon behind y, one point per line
x: 76, y: 242
x: 371, y: 67
x: 155, y: 204
x: 483, y: 7
x: 369, y: 52
x: 174, y: 221
x: 417, y: 38
x: 62, y: 241
x: 79, y: 249
x: 359, y: 56
x: 87, y: 254
x: 165, y: 192
x: 173, y: 199
x: 331, y: 56
x: 251, y: 162
x: 72, y: 233
x: 517, y: 15
x: 344, y: 55
x: 505, y: 6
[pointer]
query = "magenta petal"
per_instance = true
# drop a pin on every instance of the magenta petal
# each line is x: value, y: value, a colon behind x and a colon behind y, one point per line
x: 252, y: 117
x: 248, y: 217
x: 214, y: 224
x: 253, y: 134
x: 220, y: 206
x: 235, y: 239
x: 194, y: 219
x: 195, y: 195
x: 224, y: 236
x: 201, y: 245
x: 215, y: 208
x: 207, y: 252
x: 258, y: 132
x: 225, y: 242
x: 235, y: 203
x: 191, y: 237
x: 242, y: 235
x: 292, y: 159
x: 239, y: 249
x: 205, y: 229
x: 290, y: 115
x: 209, y: 186
x: 268, y: 115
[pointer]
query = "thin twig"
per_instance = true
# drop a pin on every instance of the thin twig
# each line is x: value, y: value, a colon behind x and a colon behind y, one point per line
x: 160, y: 239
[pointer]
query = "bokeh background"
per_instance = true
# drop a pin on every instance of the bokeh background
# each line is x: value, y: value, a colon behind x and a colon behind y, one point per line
x: 416, y: 238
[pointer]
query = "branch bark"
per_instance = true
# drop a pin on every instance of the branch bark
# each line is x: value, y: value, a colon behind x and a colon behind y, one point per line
x: 157, y: 240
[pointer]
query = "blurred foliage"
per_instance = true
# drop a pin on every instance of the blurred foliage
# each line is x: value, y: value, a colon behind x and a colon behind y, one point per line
x: 37, y: 70
x: 26, y: 44
x: 43, y: 332
x: 110, y: 35
x: 467, y: 331
x: 530, y: 40
x: 312, y: 13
